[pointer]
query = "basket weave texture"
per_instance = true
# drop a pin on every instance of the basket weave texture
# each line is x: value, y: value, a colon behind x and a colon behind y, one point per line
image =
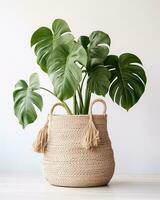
x: 67, y: 163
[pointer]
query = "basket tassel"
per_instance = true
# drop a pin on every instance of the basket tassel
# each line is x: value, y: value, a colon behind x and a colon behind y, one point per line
x: 91, y: 135
x: 40, y: 143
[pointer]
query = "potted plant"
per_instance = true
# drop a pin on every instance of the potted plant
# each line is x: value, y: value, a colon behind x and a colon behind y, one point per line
x: 77, y: 150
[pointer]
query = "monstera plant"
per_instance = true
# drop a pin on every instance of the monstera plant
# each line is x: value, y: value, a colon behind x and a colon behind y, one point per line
x: 77, y: 69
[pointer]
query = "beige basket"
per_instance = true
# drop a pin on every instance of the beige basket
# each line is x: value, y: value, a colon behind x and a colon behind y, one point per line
x: 78, y: 151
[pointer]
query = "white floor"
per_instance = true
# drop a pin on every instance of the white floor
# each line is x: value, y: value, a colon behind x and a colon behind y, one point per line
x: 33, y: 187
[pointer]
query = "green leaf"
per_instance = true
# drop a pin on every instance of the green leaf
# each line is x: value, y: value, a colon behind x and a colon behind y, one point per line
x: 128, y: 79
x: 98, y: 80
x: 84, y: 41
x: 25, y: 99
x: 98, y: 47
x: 46, y: 40
x: 63, y: 70
x: 41, y: 34
x: 34, y: 81
x: 59, y: 27
x: 99, y: 37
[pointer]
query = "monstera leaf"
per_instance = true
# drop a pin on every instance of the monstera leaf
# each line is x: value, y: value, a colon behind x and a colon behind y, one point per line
x: 63, y: 69
x: 46, y: 40
x: 98, y: 80
x: 84, y: 41
x: 128, y: 79
x: 25, y: 100
x: 97, y: 47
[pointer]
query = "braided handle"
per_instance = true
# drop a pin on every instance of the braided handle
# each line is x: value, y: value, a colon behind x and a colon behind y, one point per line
x: 95, y: 101
x: 91, y: 133
x: 58, y: 104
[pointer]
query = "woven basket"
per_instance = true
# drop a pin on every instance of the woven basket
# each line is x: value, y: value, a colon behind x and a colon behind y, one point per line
x: 76, y: 156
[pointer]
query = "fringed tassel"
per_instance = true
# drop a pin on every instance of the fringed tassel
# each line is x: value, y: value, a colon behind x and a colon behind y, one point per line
x: 91, y: 135
x: 40, y: 143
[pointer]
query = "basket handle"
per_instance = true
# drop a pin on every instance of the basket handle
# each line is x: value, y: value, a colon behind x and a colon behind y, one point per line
x: 101, y: 101
x: 41, y: 140
x: 91, y: 133
x: 58, y: 104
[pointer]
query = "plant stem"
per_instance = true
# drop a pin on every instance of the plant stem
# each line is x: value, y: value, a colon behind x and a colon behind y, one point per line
x: 87, y: 100
x: 82, y: 83
x: 42, y: 88
x: 64, y: 104
x: 80, y: 100
x: 75, y: 105
x: 79, y: 91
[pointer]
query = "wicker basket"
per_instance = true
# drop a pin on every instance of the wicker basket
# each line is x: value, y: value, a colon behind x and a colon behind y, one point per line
x: 68, y: 161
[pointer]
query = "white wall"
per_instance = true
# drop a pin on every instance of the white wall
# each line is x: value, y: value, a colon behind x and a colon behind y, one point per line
x: 134, y: 26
